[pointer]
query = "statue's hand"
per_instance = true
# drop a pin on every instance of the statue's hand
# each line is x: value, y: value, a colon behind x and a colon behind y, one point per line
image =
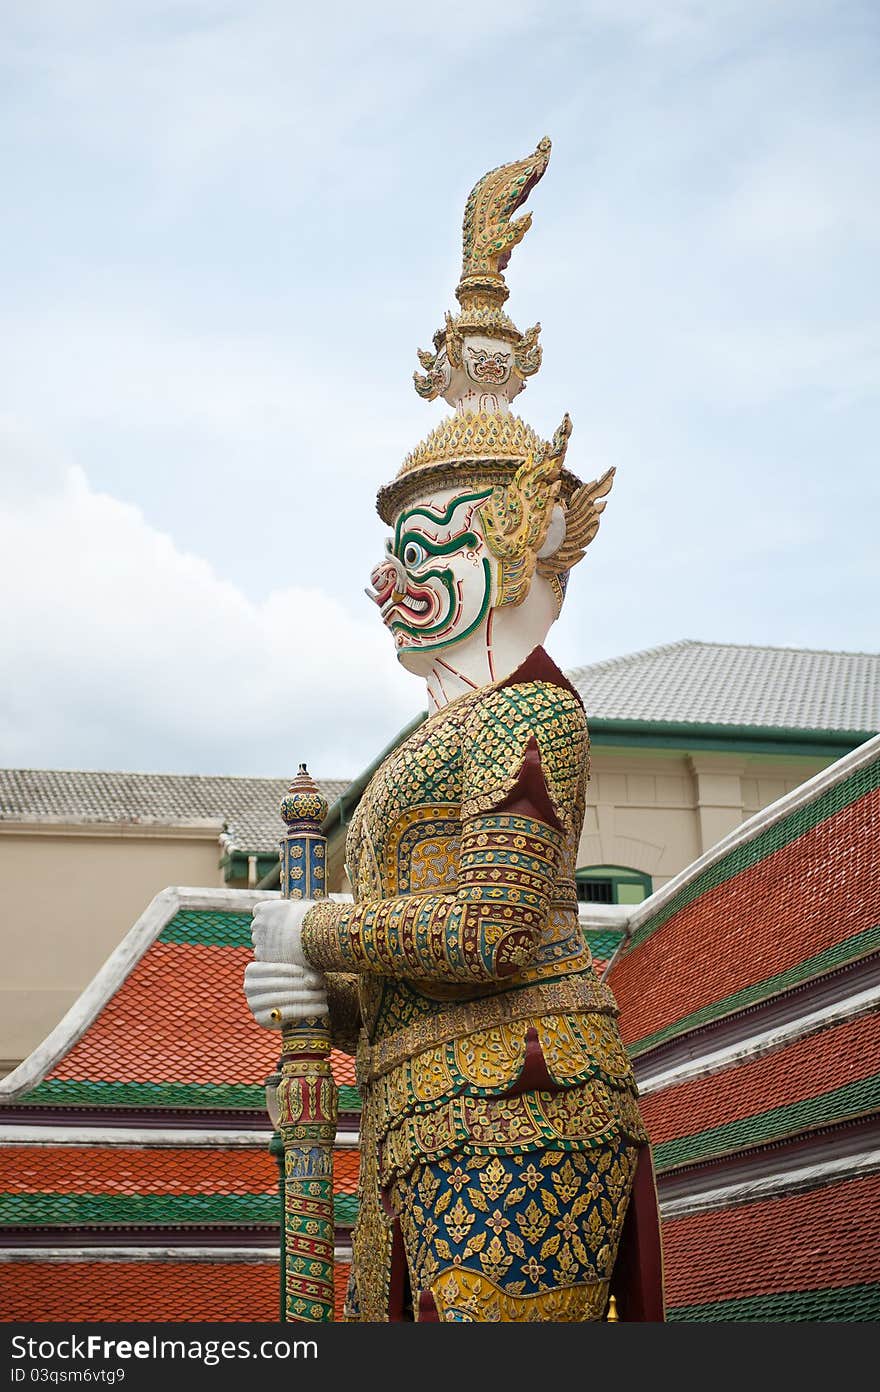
x: 276, y: 931
x: 280, y: 986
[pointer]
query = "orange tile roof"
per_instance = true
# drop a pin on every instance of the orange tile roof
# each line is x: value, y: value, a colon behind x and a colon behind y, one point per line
x: 135, y: 1170
x: 343, y: 1068
x: 140, y: 1291
x: 176, y: 1292
x: 345, y: 1171
x: 180, y: 1016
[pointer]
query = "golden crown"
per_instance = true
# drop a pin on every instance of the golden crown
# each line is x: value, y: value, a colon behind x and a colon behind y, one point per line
x: 487, y: 448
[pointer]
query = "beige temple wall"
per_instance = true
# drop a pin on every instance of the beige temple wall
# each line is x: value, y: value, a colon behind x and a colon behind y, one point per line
x: 657, y: 810
x: 71, y: 895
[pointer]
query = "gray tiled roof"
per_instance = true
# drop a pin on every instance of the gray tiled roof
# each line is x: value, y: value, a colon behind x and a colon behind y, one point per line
x: 735, y: 684
x: 686, y: 683
x: 249, y: 806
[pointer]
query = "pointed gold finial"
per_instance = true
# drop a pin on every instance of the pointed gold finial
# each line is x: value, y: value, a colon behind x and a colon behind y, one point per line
x: 500, y: 358
x: 488, y: 235
x: 612, y: 1317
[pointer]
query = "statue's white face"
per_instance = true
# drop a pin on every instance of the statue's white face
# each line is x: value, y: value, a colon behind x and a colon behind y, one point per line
x: 438, y: 581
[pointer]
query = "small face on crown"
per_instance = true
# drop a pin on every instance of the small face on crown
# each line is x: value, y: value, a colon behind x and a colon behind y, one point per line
x: 436, y: 584
x: 487, y: 362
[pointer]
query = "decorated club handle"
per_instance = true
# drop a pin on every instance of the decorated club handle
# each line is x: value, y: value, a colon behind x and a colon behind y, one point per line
x: 307, y: 1093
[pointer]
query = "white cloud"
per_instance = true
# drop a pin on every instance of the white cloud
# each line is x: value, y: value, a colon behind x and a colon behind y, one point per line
x: 228, y: 227
x: 30, y: 467
x: 123, y: 651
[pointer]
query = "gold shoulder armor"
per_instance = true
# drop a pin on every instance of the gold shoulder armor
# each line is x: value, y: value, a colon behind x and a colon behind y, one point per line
x: 497, y: 735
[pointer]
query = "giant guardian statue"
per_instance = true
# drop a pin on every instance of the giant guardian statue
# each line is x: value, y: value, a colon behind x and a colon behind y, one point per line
x: 505, y: 1173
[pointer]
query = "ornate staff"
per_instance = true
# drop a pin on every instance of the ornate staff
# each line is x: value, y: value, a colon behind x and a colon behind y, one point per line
x: 307, y: 1093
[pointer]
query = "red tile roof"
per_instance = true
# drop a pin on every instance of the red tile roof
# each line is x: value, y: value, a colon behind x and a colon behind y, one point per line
x: 804, y: 1069
x: 799, y: 1242
x: 811, y: 894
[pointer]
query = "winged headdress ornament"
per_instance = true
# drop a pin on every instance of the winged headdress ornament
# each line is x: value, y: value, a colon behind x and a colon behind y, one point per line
x: 585, y: 507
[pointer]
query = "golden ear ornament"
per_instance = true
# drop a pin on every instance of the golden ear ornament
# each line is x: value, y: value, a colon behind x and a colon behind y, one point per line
x: 517, y: 516
x: 582, y: 514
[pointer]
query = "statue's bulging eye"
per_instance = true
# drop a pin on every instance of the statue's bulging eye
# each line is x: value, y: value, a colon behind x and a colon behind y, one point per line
x: 413, y: 555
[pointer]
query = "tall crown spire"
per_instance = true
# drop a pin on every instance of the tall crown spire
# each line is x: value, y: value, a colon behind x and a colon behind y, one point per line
x: 479, y: 364
x: 480, y: 359
x: 488, y: 235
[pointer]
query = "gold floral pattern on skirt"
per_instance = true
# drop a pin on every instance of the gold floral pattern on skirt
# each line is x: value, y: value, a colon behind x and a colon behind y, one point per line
x: 506, y: 1237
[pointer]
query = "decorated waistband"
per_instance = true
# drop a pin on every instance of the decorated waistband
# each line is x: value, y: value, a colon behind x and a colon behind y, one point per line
x: 456, y: 1019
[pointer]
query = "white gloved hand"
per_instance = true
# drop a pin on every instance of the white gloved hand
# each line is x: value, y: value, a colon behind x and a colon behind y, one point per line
x: 280, y: 986
x: 276, y: 931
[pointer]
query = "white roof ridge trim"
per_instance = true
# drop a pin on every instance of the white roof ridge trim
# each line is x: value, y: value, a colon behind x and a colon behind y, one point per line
x: 213, y: 1255
x: 764, y: 1042
x: 148, y: 1138
x: 811, y: 1176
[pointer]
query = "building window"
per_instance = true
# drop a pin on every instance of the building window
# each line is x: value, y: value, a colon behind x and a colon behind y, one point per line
x: 596, y: 891
x: 612, y: 884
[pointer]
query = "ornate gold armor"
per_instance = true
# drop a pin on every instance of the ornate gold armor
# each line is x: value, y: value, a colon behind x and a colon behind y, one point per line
x: 500, y: 1122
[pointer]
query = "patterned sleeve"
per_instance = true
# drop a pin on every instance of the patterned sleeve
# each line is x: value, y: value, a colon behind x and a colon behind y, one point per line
x: 524, y: 756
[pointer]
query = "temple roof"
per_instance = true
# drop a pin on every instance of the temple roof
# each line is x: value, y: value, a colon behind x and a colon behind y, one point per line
x: 136, y: 1132
x: 135, y: 1177
x: 755, y: 1050
x: 695, y: 683
x: 247, y: 806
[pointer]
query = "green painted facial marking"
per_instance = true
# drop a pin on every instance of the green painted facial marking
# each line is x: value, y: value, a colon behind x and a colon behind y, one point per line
x: 448, y: 582
x: 433, y: 548
x: 439, y: 516
x: 413, y: 548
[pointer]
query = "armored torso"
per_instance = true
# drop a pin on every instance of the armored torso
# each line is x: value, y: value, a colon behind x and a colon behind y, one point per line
x: 484, y: 1043
x: 405, y: 837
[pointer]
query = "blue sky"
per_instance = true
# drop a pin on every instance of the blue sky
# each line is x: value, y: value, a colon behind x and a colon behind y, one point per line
x: 228, y: 227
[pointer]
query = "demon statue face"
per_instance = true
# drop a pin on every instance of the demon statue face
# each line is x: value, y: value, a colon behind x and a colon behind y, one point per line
x: 475, y: 574
x: 439, y: 580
